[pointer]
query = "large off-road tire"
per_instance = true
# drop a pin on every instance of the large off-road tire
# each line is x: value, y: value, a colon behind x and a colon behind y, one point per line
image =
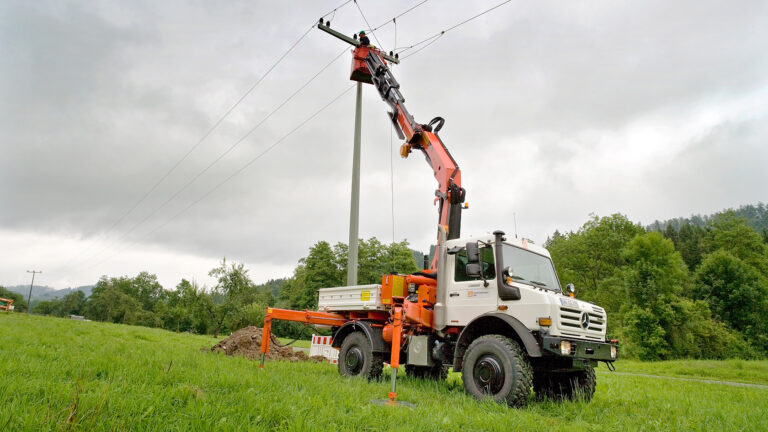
x: 436, y: 372
x: 495, y: 367
x: 579, y: 385
x: 356, y: 358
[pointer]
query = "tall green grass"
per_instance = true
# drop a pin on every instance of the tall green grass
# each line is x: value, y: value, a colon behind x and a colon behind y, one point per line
x: 69, y: 375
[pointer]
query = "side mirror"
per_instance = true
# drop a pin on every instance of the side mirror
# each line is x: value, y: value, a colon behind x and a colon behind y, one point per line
x: 474, y: 270
x: 473, y: 253
x: 571, y: 289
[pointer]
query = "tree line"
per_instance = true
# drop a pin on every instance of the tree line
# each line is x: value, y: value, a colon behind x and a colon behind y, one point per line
x: 235, y: 301
x: 695, y: 288
x: 687, y: 291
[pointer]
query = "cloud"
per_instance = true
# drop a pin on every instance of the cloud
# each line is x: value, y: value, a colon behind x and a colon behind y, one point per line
x: 553, y: 111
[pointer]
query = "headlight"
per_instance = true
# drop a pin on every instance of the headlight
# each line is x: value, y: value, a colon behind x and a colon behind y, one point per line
x: 614, y: 352
x: 565, y: 348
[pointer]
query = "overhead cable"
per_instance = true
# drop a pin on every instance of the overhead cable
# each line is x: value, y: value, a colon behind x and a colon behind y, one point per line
x: 204, y: 136
x: 227, y: 179
x: 366, y: 23
x: 436, y: 36
x: 389, y: 21
x: 223, y: 154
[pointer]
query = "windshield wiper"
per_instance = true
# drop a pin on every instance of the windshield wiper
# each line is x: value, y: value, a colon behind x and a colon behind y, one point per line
x: 541, y: 284
x: 516, y: 277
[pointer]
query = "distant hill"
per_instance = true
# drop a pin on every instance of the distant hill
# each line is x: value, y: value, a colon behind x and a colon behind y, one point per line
x: 756, y: 216
x: 40, y: 293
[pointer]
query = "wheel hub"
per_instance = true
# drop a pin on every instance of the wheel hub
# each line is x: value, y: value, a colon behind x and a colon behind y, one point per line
x: 354, y: 360
x: 488, y: 374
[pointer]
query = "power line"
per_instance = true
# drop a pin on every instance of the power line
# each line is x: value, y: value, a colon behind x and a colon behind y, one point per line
x: 436, y: 36
x: 198, y: 143
x: 386, y: 23
x: 366, y: 23
x: 428, y: 42
x: 241, y: 169
x: 223, y: 154
x: 337, y: 7
x: 205, y: 135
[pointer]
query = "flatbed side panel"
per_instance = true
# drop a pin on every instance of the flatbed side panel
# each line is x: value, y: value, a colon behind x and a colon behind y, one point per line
x: 351, y: 298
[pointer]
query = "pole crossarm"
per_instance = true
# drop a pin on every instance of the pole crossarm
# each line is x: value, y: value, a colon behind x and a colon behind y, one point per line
x: 353, y: 41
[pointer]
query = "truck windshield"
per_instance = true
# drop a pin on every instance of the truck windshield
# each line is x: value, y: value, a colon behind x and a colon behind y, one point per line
x: 530, y: 268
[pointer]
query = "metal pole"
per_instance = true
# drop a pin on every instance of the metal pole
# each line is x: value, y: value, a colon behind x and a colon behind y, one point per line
x: 354, y: 210
x: 29, y: 298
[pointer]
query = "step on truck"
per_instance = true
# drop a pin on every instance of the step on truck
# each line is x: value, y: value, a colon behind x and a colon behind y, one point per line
x: 490, y: 307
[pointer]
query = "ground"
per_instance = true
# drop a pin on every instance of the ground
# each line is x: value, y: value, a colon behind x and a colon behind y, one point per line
x: 59, y: 374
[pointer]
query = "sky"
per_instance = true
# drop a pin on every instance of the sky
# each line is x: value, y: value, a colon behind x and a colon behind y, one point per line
x: 555, y: 110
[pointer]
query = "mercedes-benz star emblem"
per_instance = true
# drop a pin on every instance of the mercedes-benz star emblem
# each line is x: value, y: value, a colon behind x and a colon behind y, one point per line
x: 584, y: 320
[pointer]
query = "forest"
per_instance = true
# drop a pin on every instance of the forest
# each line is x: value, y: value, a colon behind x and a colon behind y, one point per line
x: 685, y: 288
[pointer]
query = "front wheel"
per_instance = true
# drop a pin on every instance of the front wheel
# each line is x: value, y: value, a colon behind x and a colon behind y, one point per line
x: 356, y: 358
x: 578, y: 385
x: 495, y: 367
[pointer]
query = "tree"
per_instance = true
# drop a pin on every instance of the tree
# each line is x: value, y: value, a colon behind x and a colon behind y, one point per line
x: 592, y: 258
x: 48, y: 307
x: 731, y: 233
x: 126, y: 300
x: 233, y: 290
x: 73, y: 303
x: 660, y: 322
x: 112, y: 305
x: 689, y: 243
x: 654, y: 277
x: 147, y: 290
x: 736, y: 294
x: 656, y: 271
x: 326, y: 267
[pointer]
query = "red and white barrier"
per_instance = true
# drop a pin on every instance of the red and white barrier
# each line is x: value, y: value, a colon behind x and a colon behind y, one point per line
x: 321, y: 346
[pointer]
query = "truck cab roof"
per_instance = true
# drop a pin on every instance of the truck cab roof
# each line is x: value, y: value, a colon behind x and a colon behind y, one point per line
x: 488, y: 238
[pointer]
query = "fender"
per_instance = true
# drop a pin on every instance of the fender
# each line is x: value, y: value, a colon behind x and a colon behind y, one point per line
x: 373, y: 334
x: 494, y: 323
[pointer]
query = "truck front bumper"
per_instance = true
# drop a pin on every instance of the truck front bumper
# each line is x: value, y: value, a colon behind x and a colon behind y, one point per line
x: 582, y: 349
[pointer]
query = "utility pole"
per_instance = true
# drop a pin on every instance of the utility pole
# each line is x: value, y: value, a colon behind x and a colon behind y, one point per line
x: 29, y: 298
x: 354, y: 211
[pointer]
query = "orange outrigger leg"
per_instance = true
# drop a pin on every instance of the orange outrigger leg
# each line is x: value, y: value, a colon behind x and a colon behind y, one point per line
x: 394, y: 362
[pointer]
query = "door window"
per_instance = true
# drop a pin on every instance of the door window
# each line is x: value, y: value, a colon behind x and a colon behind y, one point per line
x: 487, y: 260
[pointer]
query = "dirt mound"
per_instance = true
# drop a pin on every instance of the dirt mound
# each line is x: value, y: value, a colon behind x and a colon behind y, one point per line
x: 246, y: 342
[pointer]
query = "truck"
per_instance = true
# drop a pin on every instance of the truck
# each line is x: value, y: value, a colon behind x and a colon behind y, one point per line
x: 6, y: 304
x: 491, y: 307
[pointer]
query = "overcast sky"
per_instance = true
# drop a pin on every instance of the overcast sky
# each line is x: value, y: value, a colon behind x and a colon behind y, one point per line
x: 554, y: 110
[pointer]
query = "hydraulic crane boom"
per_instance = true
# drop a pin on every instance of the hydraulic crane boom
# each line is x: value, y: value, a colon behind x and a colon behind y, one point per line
x: 450, y: 195
x: 369, y: 66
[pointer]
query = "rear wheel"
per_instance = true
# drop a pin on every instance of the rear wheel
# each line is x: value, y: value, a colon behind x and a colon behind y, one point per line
x: 356, y: 358
x: 578, y: 385
x: 495, y: 367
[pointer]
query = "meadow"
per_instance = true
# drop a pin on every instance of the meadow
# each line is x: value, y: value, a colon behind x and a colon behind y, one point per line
x: 59, y: 374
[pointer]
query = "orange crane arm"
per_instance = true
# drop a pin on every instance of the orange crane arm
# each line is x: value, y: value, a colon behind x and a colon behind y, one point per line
x: 450, y: 194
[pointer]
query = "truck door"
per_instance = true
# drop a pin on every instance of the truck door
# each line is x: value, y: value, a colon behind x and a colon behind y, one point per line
x: 467, y: 296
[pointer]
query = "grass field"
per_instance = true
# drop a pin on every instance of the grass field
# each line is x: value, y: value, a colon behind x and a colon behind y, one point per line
x: 59, y: 374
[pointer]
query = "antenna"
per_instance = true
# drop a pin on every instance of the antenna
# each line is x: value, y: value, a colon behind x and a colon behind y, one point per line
x: 514, y: 216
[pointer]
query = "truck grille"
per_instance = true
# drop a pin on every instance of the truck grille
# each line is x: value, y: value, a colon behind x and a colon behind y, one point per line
x: 572, y: 318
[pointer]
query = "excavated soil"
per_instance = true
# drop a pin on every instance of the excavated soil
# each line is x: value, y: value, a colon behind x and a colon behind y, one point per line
x: 246, y: 342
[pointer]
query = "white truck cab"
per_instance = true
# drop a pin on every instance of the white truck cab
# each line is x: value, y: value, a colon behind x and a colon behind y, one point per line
x: 529, y: 269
